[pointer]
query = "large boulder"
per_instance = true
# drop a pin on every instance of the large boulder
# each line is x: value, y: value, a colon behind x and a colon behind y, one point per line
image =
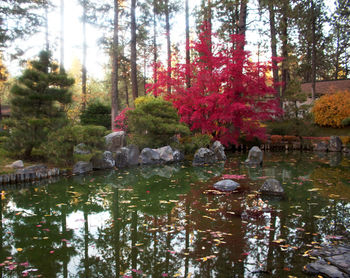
x: 335, y: 144
x: 81, y: 149
x: 82, y: 167
x: 321, y: 146
x: 16, y: 165
x: 103, y: 161
x: 149, y: 156
x: 219, y: 150
x: 127, y: 156
x: 166, y: 154
x: 226, y: 185
x: 115, y: 141
x: 255, y: 156
x: 204, y: 156
x: 272, y: 187
x: 178, y: 156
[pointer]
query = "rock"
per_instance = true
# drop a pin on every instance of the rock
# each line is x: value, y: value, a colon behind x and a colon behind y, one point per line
x: 149, y: 156
x: 204, y: 156
x: 103, y: 161
x: 17, y: 164
x: 82, y: 167
x: 166, y: 154
x: 178, y: 156
x: 127, y: 156
x: 335, y: 144
x: 255, y: 156
x: 226, y: 185
x: 334, y: 261
x: 33, y: 169
x: 115, y: 141
x: 321, y: 267
x: 219, y: 150
x: 335, y: 158
x: 321, y: 146
x: 81, y: 149
x: 272, y: 187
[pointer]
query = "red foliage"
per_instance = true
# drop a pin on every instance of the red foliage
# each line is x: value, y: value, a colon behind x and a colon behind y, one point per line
x: 120, y: 120
x: 229, y: 94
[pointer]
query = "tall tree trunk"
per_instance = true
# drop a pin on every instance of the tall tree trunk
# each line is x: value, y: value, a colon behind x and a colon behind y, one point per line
x: 114, y: 92
x: 83, y: 70
x: 274, y: 49
x: 133, y: 51
x: 62, y: 37
x: 188, y: 79
x: 284, y: 25
x: 313, y: 61
x: 167, y: 31
x: 155, y: 50
x: 337, y: 55
x: 242, y: 24
x: 47, y: 44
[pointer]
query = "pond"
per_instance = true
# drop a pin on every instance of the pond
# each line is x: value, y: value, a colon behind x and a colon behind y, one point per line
x: 169, y: 222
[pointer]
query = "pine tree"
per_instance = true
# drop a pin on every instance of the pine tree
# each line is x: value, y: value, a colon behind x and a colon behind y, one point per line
x: 37, y: 105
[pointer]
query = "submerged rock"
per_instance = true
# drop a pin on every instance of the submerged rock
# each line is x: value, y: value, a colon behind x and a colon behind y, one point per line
x: 204, y: 156
x: 334, y: 262
x: 82, y: 167
x: 226, y: 185
x: 272, y: 187
x: 255, y: 157
x: 219, y: 150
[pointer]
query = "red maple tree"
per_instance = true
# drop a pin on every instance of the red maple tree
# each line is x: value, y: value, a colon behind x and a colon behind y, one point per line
x: 230, y: 95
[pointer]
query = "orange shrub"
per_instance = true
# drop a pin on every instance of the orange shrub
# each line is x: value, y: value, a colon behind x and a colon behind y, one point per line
x: 332, y: 109
x: 291, y: 138
x: 276, y: 138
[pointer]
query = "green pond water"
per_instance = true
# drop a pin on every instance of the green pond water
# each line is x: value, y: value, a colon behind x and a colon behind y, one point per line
x: 169, y: 222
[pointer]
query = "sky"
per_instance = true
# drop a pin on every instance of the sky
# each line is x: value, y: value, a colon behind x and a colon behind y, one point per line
x: 96, y: 56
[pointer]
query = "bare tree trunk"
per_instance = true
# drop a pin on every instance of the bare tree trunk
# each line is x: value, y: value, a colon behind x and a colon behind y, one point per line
x: 114, y: 92
x: 242, y: 24
x: 273, y: 35
x: 155, y: 50
x: 83, y: 70
x: 62, y: 37
x: 188, y: 79
x: 133, y: 51
x: 337, y: 53
x: 284, y: 49
x: 313, y: 69
x: 167, y: 30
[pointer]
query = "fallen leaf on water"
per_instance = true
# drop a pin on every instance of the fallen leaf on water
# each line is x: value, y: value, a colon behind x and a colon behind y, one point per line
x: 319, y: 216
x: 19, y: 249
x: 314, y: 189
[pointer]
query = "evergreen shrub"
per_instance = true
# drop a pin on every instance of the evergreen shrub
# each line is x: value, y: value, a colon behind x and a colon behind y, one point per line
x: 60, y: 146
x: 96, y: 113
x: 153, y: 123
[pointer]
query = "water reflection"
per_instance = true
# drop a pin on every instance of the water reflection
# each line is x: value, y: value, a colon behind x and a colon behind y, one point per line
x: 161, y: 222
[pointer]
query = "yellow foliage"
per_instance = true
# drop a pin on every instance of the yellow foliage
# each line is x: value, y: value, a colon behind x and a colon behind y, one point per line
x: 332, y: 109
x: 143, y: 99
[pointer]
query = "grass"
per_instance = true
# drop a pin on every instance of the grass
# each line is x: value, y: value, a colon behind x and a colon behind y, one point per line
x: 5, y: 160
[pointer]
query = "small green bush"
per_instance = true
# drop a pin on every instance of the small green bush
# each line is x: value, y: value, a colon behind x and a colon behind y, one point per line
x: 153, y: 123
x: 60, y: 146
x: 190, y: 144
x: 295, y: 127
x: 96, y: 114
